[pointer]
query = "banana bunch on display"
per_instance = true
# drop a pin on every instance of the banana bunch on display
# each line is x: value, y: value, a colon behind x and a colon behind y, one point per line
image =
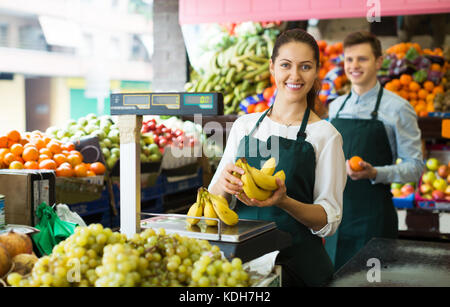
x: 239, y: 71
x: 211, y: 206
x: 259, y: 184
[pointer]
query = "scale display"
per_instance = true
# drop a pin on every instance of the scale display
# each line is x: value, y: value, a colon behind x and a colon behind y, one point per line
x: 167, y: 103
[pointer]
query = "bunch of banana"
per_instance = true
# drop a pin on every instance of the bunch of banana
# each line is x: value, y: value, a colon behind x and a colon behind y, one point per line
x: 211, y: 206
x: 239, y: 71
x: 259, y: 184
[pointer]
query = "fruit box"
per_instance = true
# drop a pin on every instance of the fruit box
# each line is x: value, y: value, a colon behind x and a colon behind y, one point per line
x: 404, y: 202
x: 77, y: 190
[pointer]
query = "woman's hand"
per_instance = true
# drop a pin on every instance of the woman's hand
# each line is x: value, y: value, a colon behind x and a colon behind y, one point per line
x: 277, y: 197
x: 228, y: 182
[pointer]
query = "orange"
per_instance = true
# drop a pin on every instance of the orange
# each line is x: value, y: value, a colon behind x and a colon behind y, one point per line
x: 413, y: 102
x: 30, y: 154
x: 16, y: 165
x: 17, y: 149
x: 404, y: 94
x: 47, y: 164
x: 430, y: 97
x: 98, y: 168
x: 23, y: 142
x: 63, y: 171
x: 428, y: 85
x: 68, y: 146
x: 76, y: 152
x: 435, y: 66
x: 31, y: 165
x: 412, y: 95
x: 414, y: 86
x: 59, y: 158
x: 38, y: 142
x: 54, y: 147
x: 438, y: 89
x: 14, y: 135
x: 8, y: 158
x: 90, y: 173
x: 422, y: 94
x: 3, y: 141
x: 43, y: 157
x: 354, y: 163
x: 3, y: 152
x: 260, y: 107
x: 19, y: 158
x: 405, y: 79
x: 80, y: 170
x: 396, y: 83
x: 46, y: 151
x: 390, y: 87
x: 423, y: 114
x: 74, y: 159
x: 65, y: 152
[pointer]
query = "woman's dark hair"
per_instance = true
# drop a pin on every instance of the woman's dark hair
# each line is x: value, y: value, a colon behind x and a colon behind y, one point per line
x: 301, y: 36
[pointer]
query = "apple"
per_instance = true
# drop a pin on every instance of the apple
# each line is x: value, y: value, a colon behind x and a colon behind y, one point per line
x: 407, y: 189
x: 432, y: 164
x: 443, y: 171
x: 427, y: 196
x: 153, y: 148
x: 107, y: 142
x: 440, y: 184
x: 429, y: 177
x: 396, y: 185
x: 114, y: 136
x: 106, y: 152
x: 396, y: 193
x: 115, y: 152
x: 82, y: 121
x: 436, y: 194
x: 154, y: 157
x: 425, y: 188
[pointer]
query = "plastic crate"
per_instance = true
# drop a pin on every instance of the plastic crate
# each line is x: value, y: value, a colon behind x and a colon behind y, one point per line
x: 191, y: 182
x: 96, y: 206
x: 404, y: 202
x: 431, y: 204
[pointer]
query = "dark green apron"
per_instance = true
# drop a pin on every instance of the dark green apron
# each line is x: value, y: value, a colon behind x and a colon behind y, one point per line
x: 368, y: 210
x: 305, y: 262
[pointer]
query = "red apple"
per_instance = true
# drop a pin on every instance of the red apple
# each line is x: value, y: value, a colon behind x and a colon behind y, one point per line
x: 436, y: 194
x: 443, y: 171
x: 407, y: 189
x: 447, y: 190
x: 425, y: 188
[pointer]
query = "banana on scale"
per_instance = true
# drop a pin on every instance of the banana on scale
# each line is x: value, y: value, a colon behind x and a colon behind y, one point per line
x: 209, y: 212
x: 196, y: 210
x: 222, y: 209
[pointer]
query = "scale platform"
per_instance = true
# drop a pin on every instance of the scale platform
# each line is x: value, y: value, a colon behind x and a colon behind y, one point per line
x: 248, y: 239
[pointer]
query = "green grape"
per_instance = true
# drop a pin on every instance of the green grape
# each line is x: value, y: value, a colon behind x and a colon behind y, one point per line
x: 14, y: 279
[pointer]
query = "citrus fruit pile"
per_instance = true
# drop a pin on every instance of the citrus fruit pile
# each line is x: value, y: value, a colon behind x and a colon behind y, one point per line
x: 35, y: 150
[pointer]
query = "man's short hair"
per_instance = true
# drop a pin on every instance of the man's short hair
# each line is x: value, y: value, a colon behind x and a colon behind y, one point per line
x: 362, y: 37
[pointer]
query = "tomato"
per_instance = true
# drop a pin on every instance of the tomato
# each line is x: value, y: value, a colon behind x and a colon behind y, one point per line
x: 251, y: 108
x: 268, y: 93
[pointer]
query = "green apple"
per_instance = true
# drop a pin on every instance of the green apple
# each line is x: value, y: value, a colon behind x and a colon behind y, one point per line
x: 111, y: 161
x: 144, y: 158
x: 90, y: 128
x: 154, y: 158
x: 433, y: 164
x: 100, y: 134
x: 82, y: 121
x: 107, y: 142
x: 114, y: 136
x: 115, y: 152
x: 396, y: 186
x: 52, y: 131
x: 91, y: 116
x: 154, y: 149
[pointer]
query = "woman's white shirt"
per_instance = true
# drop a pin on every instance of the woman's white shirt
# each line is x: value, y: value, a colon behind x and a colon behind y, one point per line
x: 330, y: 175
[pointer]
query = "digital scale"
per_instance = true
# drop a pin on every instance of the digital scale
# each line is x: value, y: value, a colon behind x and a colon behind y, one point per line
x: 248, y: 239
x: 167, y: 104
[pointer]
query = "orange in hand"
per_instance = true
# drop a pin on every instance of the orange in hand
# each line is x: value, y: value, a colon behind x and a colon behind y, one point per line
x: 354, y: 163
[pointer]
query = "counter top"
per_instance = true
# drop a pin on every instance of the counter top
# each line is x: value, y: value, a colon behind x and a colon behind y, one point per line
x: 396, y: 263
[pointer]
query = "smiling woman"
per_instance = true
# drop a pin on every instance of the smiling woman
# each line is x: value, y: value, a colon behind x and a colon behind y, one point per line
x: 308, y: 203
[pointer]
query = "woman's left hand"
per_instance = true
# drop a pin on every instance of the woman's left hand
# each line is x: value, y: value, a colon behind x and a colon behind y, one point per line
x: 277, y: 197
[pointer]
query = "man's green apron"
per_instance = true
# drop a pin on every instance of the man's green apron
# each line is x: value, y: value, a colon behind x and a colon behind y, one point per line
x: 305, y: 262
x: 368, y: 210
